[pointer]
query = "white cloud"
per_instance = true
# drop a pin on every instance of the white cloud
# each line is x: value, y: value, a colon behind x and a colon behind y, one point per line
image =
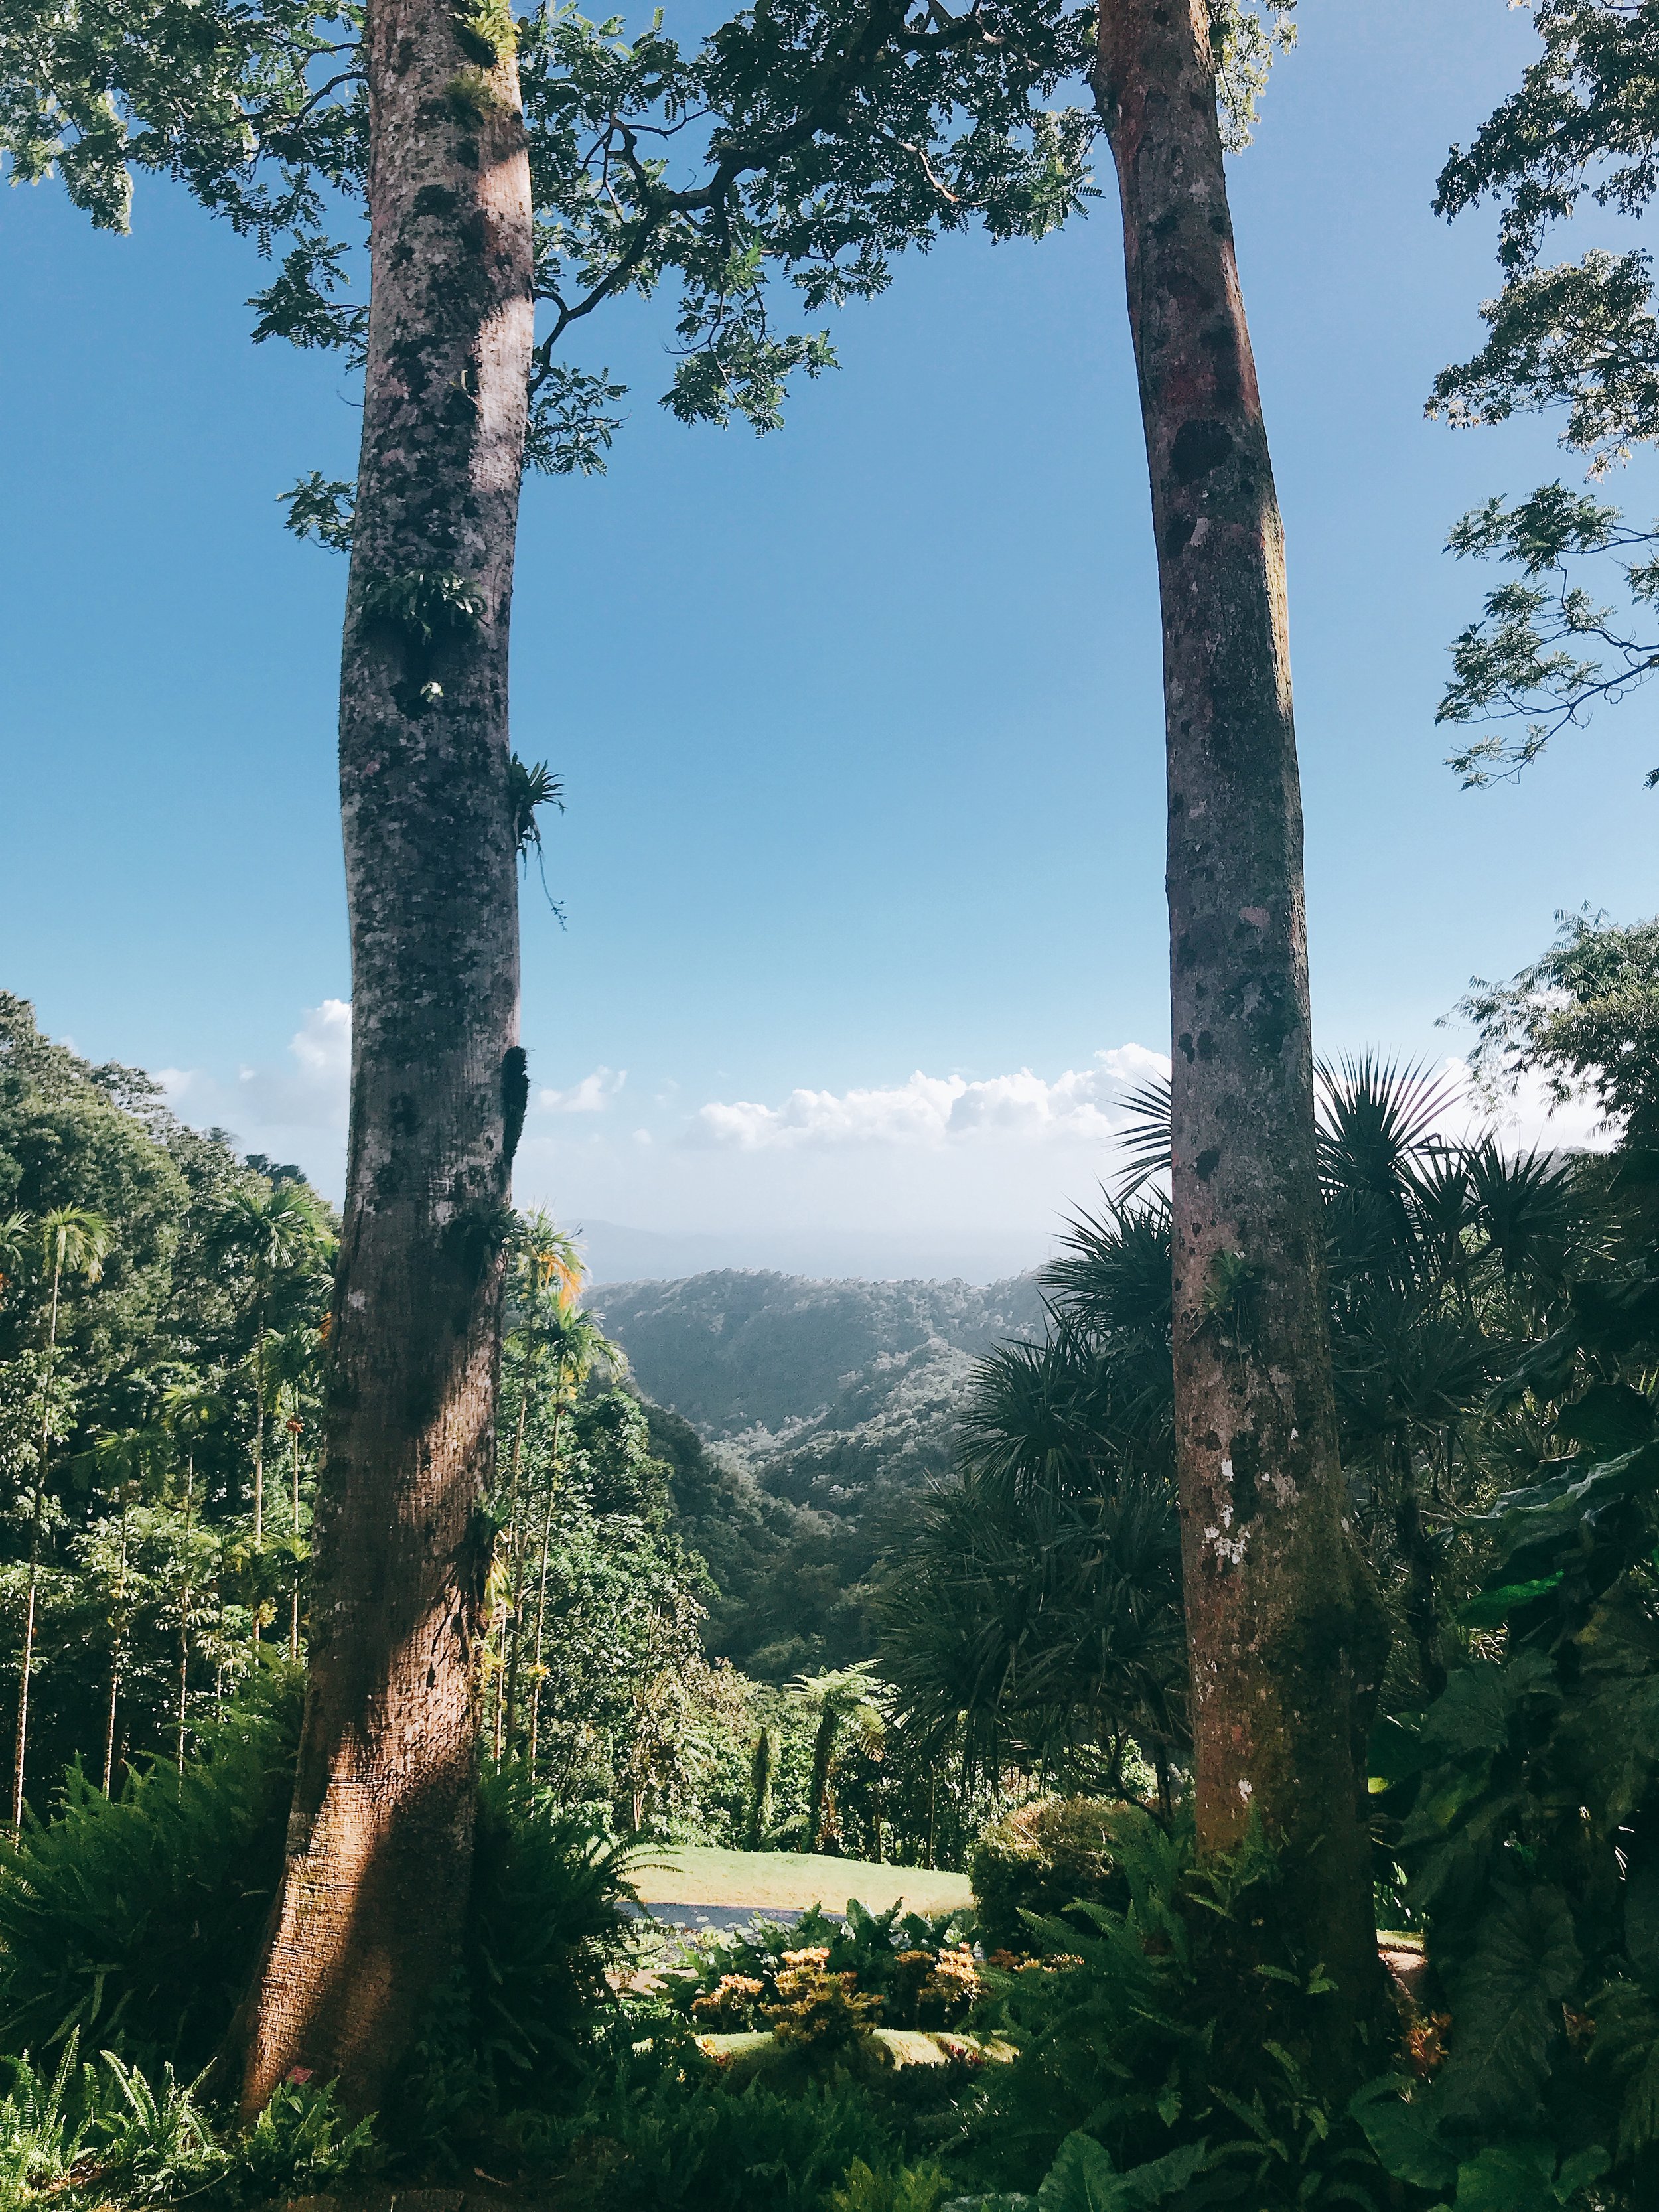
x: 312, y: 1094
x: 1528, y: 1117
x: 590, y: 1095
x: 297, y: 1112
x: 1082, y: 1106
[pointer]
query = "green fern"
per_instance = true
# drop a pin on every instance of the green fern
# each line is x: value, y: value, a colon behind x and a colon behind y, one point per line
x: 425, y: 605
x: 487, y: 32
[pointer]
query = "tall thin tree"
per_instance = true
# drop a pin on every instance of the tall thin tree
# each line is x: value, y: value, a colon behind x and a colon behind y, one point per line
x: 385, y: 1785
x: 1287, y: 1640
x: 72, y: 1241
x: 271, y: 1232
x: 189, y: 1409
x: 548, y: 1276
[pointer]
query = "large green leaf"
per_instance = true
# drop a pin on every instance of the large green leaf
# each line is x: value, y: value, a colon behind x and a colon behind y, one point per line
x: 1509, y: 2178
x: 1403, y: 2134
x: 1610, y: 1418
x: 1083, y: 2179
x: 1505, y: 2001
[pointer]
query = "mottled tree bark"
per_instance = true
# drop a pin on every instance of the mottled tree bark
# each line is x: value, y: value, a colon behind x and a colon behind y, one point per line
x: 379, y: 1839
x: 1285, y: 1631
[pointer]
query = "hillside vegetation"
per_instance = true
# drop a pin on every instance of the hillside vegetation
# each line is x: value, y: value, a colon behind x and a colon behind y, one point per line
x: 829, y: 1406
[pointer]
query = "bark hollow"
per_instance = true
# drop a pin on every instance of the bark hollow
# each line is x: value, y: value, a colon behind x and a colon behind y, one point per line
x: 378, y: 1856
x: 1283, y: 1624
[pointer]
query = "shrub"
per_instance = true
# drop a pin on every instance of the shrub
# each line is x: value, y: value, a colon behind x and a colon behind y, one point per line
x: 132, y: 1925
x: 663, y: 2132
x: 133, y: 1922
x: 816, y: 2010
x: 897, y: 1956
x: 897, y: 2189
x: 40, y: 2136
x: 512, y: 2031
x: 1040, y: 1859
x: 301, y: 2144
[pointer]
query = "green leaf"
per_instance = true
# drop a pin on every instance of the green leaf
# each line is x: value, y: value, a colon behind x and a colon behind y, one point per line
x: 1578, y: 2172
x: 1509, y: 2178
x: 1524, y: 1962
x: 1491, y: 1608
x: 1610, y: 1418
x: 1403, y: 2134
x: 1081, y: 2179
x: 1145, y: 2185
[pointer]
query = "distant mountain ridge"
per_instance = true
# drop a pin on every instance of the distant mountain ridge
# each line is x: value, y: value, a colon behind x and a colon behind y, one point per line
x: 738, y: 1350
x: 828, y: 1404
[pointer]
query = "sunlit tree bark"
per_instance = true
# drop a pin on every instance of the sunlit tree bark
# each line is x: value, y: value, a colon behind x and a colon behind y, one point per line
x: 376, y: 1880
x: 1286, y: 1641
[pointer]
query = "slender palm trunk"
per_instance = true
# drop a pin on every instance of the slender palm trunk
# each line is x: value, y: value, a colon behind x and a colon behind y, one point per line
x: 378, y: 1865
x: 1284, y: 1633
x: 19, y: 1751
x: 515, y: 1539
x: 184, y: 1614
x: 294, y: 1614
x: 258, y: 1450
x: 547, y: 1549
x: 115, y: 1656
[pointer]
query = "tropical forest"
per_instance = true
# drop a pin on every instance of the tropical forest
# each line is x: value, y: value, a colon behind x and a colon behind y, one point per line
x: 1086, y: 1645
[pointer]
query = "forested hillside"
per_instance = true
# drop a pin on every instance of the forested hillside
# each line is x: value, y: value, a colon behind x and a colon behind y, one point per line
x: 740, y: 1350
x: 829, y: 1406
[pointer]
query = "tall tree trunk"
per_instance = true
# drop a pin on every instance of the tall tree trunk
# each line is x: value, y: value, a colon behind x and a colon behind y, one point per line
x: 294, y: 1614
x: 506, y: 1705
x: 547, y: 1547
x: 20, y: 1748
x: 183, y: 1614
x: 116, y: 1637
x: 1286, y: 1635
x: 380, y: 1836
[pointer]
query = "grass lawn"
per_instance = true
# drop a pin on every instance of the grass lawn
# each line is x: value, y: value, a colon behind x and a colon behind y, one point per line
x: 905, y: 2046
x: 791, y: 1881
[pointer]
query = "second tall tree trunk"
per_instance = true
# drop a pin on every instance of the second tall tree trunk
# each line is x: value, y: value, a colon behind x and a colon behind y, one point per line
x: 380, y: 1840
x: 1285, y: 1631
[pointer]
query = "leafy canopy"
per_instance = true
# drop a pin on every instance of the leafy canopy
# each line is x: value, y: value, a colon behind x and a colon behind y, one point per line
x: 1579, y: 338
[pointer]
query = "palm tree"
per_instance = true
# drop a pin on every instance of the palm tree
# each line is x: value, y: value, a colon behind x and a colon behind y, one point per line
x: 121, y: 1462
x: 847, y: 1693
x: 547, y: 1276
x: 294, y: 1358
x: 271, y: 1232
x: 578, y: 1344
x: 188, y: 1409
x: 71, y: 1241
x: 15, y: 1246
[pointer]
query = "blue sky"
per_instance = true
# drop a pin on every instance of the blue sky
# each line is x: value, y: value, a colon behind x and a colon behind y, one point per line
x: 859, y: 723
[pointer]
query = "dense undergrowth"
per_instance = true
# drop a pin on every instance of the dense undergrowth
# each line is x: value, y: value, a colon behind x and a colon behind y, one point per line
x: 1082, y: 2044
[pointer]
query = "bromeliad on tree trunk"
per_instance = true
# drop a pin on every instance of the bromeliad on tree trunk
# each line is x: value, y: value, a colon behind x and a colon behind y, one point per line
x: 1286, y: 1637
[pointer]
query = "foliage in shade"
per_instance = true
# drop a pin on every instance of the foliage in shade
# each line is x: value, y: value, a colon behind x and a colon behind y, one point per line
x: 1041, y: 1858
x: 133, y: 1922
